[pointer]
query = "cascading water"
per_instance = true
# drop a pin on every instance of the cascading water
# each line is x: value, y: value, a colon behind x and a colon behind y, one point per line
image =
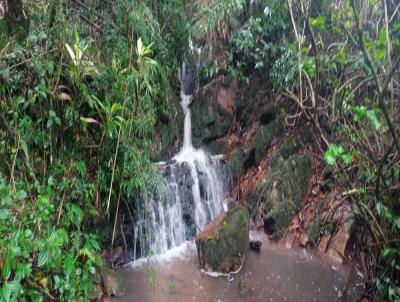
x: 197, y: 187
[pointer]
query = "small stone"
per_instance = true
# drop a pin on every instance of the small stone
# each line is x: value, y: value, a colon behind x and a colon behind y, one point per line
x: 255, y: 245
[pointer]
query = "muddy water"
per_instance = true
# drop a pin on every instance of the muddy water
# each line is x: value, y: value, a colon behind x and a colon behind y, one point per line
x: 273, y: 274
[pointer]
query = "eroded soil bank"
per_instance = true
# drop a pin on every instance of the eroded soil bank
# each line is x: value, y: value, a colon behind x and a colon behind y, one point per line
x: 273, y: 274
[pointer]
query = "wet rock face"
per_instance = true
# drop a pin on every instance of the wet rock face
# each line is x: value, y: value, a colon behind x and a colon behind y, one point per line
x: 281, y: 193
x: 236, y: 164
x: 213, y: 110
x: 264, y: 138
x: 288, y: 148
x: 255, y: 103
x: 271, y: 129
x: 223, y: 245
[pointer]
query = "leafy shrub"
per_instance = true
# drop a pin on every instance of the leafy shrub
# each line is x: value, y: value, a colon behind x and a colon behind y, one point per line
x: 42, y: 258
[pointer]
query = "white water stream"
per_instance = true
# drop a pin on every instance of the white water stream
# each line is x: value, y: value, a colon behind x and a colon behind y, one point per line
x: 196, y: 188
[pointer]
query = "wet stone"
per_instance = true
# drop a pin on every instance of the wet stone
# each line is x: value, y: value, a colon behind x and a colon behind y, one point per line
x: 222, y: 246
x: 255, y: 245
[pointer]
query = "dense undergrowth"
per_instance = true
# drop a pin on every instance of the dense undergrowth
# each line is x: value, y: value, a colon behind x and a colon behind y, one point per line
x: 82, y: 89
x: 87, y: 95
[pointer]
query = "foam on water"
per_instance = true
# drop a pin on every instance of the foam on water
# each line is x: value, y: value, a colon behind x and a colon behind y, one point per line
x: 179, y: 252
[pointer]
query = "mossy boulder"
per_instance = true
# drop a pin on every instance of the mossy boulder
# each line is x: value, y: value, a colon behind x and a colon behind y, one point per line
x: 281, y: 193
x: 264, y: 138
x: 223, y: 245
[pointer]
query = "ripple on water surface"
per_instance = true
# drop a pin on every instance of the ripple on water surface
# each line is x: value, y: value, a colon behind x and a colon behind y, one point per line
x: 274, y: 274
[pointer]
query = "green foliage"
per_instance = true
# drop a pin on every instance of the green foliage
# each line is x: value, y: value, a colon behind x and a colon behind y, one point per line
x: 339, y: 61
x: 362, y: 112
x: 79, y: 109
x: 255, y: 43
x: 79, y: 68
x: 284, y: 70
x: 337, y: 153
x: 40, y: 257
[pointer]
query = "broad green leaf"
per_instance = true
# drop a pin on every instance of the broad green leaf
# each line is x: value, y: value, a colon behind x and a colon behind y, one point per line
x: 71, y: 53
x: 378, y: 207
x: 380, y: 53
x: 43, y: 258
x: 347, y: 159
x: 318, y: 22
x: 6, y: 269
x: 329, y: 158
x: 69, y: 265
x: 23, y: 270
x: 7, y: 292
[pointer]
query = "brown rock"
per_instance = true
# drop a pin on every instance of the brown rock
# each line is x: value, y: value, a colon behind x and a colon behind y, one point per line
x: 226, y: 100
x: 338, y: 246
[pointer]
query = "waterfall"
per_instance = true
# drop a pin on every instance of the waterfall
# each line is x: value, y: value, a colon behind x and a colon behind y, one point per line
x: 197, y: 186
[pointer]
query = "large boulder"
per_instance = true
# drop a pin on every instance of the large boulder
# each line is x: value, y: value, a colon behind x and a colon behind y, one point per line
x: 223, y: 245
x: 281, y: 193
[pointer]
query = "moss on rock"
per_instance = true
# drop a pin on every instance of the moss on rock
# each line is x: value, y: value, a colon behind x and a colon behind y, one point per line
x: 313, y: 231
x: 236, y: 164
x: 224, y: 243
x: 264, y: 138
x: 282, y: 192
x: 288, y: 148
